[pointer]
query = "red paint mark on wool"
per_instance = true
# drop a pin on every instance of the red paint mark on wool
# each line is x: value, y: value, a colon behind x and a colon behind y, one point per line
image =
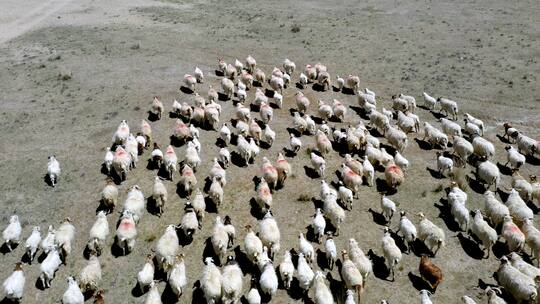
x: 394, y: 169
x: 127, y: 224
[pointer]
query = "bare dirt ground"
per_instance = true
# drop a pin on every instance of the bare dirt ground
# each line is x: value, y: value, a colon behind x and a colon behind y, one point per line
x: 71, y: 71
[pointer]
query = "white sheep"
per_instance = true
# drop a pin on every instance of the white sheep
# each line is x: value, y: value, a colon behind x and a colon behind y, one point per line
x: 334, y: 212
x: 121, y: 162
x: 268, y: 280
x: 424, y: 297
x: 318, y: 224
x: 429, y: 233
x: 211, y: 281
x: 532, y: 239
x: 450, y: 128
x: 135, y: 202
x: 269, y: 233
x: 462, y: 148
x: 53, y: 170
x: 65, y: 234
x: 306, y: 248
x: 483, y: 148
x: 488, y: 173
x: 73, y: 294
x: 177, y: 276
x: 14, y: 284
x: 339, y: 109
x: 369, y: 171
x: 362, y: 262
x: 98, y: 233
x: 252, y: 244
x: 126, y: 233
x: 526, y: 268
x: 270, y: 173
x: 435, y: 136
x: 481, y: 229
x: 396, y: 138
x: 323, y: 295
x: 48, y: 267
x: 153, y: 296
x: 132, y: 148
x: 286, y: 270
x: 407, y: 229
x: 305, y: 274
x: 459, y: 211
x: 192, y: 156
x: 108, y: 160
x: 90, y: 275
x: 121, y: 134
x: 448, y: 106
x: 379, y: 121
x: 351, y: 179
x: 515, y: 239
x: 330, y: 251
x: 526, y: 144
x: 493, y: 298
x: 318, y: 163
x: 406, y: 123
x: 12, y: 233
x: 392, y: 253
x: 519, y: 285
x: 283, y: 168
x: 444, y: 164
x: 109, y: 196
x: 231, y: 282
x: 518, y: 208
x: 167, y: 248
x: 429, y: 101
x: 475, y: 121
x: 253, y: 296
x: 32, y: 243
x: 219, y: 239
x: 159, y: 195
x: 188, y: 180
x: 346, y: 195
x: 388, y: 208
x: 495, y: 210
x: 514, y: 158
x: 351, y: 276
x: 216, y: 191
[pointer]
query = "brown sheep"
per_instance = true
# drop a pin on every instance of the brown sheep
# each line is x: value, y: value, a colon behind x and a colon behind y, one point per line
x: 430, y: 272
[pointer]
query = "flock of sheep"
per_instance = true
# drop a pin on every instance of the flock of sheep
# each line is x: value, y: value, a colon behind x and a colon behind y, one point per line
x: 511, y: 220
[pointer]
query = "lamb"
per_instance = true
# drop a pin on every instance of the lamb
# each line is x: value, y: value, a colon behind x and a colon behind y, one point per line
x: 53, y: 170
x: 268, y: 280
x: 518, y: 208
x: 305, y: 274
x: 514, y: 158
x: 318, y: 163
x: 369, y: 171
x: 252, y: 244
x: 231, y: 282
x: 12, y: 233
x: 407, y: 229
x: 525, y: 268
x: 318, y: 224
x: 48, y: 267
x: 515, y: 239
x: 429, y: 101
x: 216, y: 191
x: 351, y: 276
x: 73, y: 294
x: 64, y: 237
x: 126, y: 233
x: 269, y: 233
x: 323, y: 295
x: 108, y: 160
x: 483, y: 148
x: 481, y: 229
x: 526, y: 144
x: 488, y: 173
x: 388, y: 208
x: 90, y: 275
x: 401, y: 161
x: 14, y: 284
x: 392, y: 253
x: 509, y: 131
x: 121, y: 134
x: 435, y: 136
x: 469, y: 119
x: 393, y: 175
x: 462, y: 148
x: 189, y: 221
x: 448, y: 106
x: 188, y: 180
x: 430, y: 234
x: 289, y: 66
x: 396, y: 138
x: 153, y: 295
x: 518, y: 284
x: 98, y: 233
x: 430, y: 272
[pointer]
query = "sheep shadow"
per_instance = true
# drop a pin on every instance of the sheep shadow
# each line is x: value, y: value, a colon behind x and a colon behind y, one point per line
x: 198, y: 294
x: 418, y: 282
x: 295, y: 292
x: 418, y: 248
x: 500, y: 249
x: 152, y: 116
x: 299, y: 86
x: 223, y: 97
x: 360, y: 112
x: 310, y: 234
x: 211, y: 207
x: 117, y: 252
x: 347, y: 91
x: 103, y: 170
x: 289, y: 153
x: 317, y: 203
x: 5, y: 250
x: 243, y: 261
x: 181, y: 191
x: 255, y: 210
x: 39, y: 285
x: 294, y: 132
x: 264, y: 145
x: 378, y: 218
x: 336, y: 287
x: 237, y: 160
x: 41, y: 257
x: 208, y: 251
x: 47, y: 180
x: 220, y: 143
x: 504, y: 169
x: 503, y: 195
x: 311, y: 173
x: 176, y: 142
x: 476, y: 185
x: 382, y: 187
x: 446, y: 216
x: 168, y: 296
x: 151, y: 206
x: 437, y: 115
x: 424, y: 145
x: 151, y: 165
x: 317, y: 87
x: 186, y: 90
x: 530, y: 159
x: 254, y: 108
x: 379, y: 267
x: 137, y: 292
x: 183, y: 239
x: 400, y: 242
x: 321, y: 259
x: 470, y: 247
x: 435, y: 174
x: 25, y: 258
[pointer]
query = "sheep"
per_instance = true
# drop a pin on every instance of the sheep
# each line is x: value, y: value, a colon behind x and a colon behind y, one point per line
x: 351, y: 179
x: 324, y: 80
x: 219, y: 172
x: 167, y: 248
x: 269, y: 233
x: 216, y: 191
x: 483, y: 148
x: 462, y: 148
x: 399, y: 104
x: 429, y: 233
x: 525, y: 268
x: 514, y: 158
x: 323, y: 295
x: 515, y: 239
x: 132, y: 148
x: 424, y: 297
x: 32, y: 243
x: 388, y: 208
x: 330, y: 251
x: 177, y: 276
x: 219, y: 239
x: 392, y: 253
x: 14, y: 284
x: 255, y: 131
x: 126, y: 233
x: 385, y: 157
x: 495, y: 210
x: 48, y: 267
x: 211, y: 281
x: 345, y: 195
x: 231, y: 282
x: 518, y: 208
x: 411, y: 101
x: 379, y: 121
x: 393, y: 175
x: 190, y: 221
x: 488, y: 173
x: 448, y: 106
x: 305, y: 274
x: 189, y: 82
x: 532, y: 239
x: 535, y: 185
x: 450, y: 128
x: 98, y: 233
x: 369, y: 171
x: 481, y: 229
x: 306, y: 248
x: 351, y: 276
x: 12, y: 233
x: 253, y: 296
x: 299, y: 123
x: 406, y: 123
x: 64, y: 237
x: 264, y: 196
x: 396, y: 138
x: 268, y: 280
x: 135, y: 202
x: 444, y: 164
x: 153, y: 295
x: 318, y: 224
x: 318, y: 163
x: 522, y: 186
x: 90, y: 275
x: 334, y: 213
x: 48, y: 243
x: 157, y: 156
x: 518, y: 284
x: 159, y: 195
x: 302, y: 102
x: 430, y: 272
x: 429, y: 101
x: 407, y: 229
x: 270, y: 173
x: 401, y: 161
x: 121, y: 134
x: 244, y: 149
x: 188, y: 180
x: 157, y: 107
x: 509, y: 131
x: 121, y: 162
x: 252, y: 244
x: 108, y: 160
x: 73, y: 294
x: 141, y: 143
x: 283, y: 168
x: 435, y: 136
x: 53, y: 170
x: 493, y: 298
x: 526, y: 144
x: 192, y: 156
x: 224, y: 157
x: 323, y: 143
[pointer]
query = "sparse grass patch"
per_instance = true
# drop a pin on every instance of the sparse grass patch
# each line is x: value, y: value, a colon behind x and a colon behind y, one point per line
x: 304, y: 198
x: 150, y: 238
x: 439, y: 188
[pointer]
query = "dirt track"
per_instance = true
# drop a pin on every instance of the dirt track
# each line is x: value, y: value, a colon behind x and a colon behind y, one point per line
x: 118, y: 56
